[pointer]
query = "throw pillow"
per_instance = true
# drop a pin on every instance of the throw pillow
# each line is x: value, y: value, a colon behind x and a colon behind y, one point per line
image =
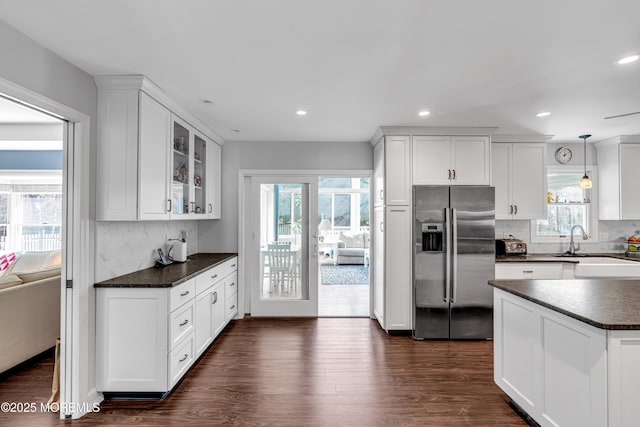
x: 34, y: 261
x: 9, y: 281
x: 6, y: 260
x: 352, y: 240
x: 32, y: 276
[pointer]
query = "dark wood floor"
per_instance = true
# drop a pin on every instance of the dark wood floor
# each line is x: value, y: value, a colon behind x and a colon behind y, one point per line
x: 306, y: 372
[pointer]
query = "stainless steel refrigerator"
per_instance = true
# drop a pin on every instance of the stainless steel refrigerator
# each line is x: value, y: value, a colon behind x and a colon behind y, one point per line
x: 454, y: 257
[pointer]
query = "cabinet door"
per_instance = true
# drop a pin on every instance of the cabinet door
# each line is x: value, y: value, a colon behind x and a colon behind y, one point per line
x: 378, y: 265
x: 201, y: 179
x: 378, y: 173
x: 397, y: 170
x: 471, y: 160
x: 529, y: 178
x: 431, y: 160
x: 398, y: 269
x: 629, y: 167
x: 501, y: 171
x: 182, y: 169
x: 204, y: 331
x: 217, y: 308
x: 155, y: 131
x: 214, y: 180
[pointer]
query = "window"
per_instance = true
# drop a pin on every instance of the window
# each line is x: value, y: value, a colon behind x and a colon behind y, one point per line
x: 30, y: 212
x: 568, y: 205
x: 344, y: 202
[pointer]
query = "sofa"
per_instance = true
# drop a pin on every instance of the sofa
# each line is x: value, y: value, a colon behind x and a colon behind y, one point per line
x: 353, y: 248
x: 29, y: 307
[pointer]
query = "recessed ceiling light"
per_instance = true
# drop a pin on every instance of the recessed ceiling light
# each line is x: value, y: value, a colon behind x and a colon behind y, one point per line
x: 424, y: 113
x: 629, y: 59
x: 543, y: 114
x: 206, y: 101
x: 301, y: 112
x: 235, y: 130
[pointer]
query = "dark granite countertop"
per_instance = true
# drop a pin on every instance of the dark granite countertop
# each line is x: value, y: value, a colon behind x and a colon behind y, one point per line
x: 605, y: 304
x: 558, y: 258
x: 171, y: 275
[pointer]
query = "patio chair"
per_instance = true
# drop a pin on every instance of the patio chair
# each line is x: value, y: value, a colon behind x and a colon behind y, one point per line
x: 281, y: 267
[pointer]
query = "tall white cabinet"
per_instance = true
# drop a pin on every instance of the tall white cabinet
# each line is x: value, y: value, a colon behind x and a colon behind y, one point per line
x: 520, y: 178
x: 618, y: 164
x: 155, y: 160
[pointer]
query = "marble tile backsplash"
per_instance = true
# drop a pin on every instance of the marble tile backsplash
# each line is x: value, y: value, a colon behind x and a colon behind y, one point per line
x: 618, y: 232
x: 125, y: 247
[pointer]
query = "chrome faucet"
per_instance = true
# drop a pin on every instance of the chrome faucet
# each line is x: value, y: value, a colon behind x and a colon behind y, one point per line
x: 572, y: 247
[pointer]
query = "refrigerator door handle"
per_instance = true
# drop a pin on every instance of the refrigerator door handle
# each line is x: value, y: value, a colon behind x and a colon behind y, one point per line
x: 447, y: 274
x: 454, y: 254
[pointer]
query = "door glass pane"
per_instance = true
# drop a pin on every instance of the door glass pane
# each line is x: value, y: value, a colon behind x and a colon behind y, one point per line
x: 284, y: 241
x: 199, y: 175
x: 342, y: 210
x: 180, y: 186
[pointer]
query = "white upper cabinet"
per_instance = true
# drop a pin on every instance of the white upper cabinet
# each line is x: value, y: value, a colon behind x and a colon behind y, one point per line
x: 154, y: 162
x: 618, y: 165
x: 520, y: 179
x: 392, y: 171
x: 451, y: 160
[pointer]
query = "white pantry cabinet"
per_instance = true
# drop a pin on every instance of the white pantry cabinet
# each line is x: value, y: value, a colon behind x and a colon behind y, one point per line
x: 392, y: 268
x: 148, y: 338
x: 520, y: 178
x: 392, y: 171
x: 154, y: 160
x: 451, y: 160
x: 618, y: 166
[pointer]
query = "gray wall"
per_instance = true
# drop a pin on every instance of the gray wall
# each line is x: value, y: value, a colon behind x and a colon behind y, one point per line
x: 31, y: 160
x: 30, y: 65
x: 222, y: 235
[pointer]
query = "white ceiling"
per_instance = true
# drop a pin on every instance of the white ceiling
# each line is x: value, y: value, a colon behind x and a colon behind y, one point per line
x: 358, y: 64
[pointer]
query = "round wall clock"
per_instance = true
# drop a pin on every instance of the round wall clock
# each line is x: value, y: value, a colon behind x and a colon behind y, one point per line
x: 564, y: 155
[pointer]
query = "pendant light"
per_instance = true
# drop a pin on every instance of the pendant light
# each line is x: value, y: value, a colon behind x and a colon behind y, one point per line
x: 585, y: 182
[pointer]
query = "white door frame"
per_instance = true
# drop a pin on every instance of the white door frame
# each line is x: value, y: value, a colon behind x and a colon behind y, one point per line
x: 244, y: 225
x: 77, y: 312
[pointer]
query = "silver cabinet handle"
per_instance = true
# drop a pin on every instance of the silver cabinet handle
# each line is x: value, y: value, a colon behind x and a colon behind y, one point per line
x: 510, y: 209
x: 233, y: 284
x: 454, y: 174
x: 381, y: 194
x: 210, y: 208
x: 233, y: 265
x: 232, y: 307
x: 449, y: 173
x: 184, y: 294
x: 515, y: 209
x: 215, y: 298
x: 214, y: 276
x: 169, y: 208
x: 527, y: 271
x: 185, y: 322
x: 454, y: 254
x: 447, y: 273
x: 184, y: 358
x: 382, y: 226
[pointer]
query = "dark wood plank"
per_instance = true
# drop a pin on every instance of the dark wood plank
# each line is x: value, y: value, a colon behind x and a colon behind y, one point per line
x: 309, y: 372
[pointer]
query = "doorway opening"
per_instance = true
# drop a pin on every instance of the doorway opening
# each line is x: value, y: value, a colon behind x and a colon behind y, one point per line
x: 31, y: 237
x: 343, y: 246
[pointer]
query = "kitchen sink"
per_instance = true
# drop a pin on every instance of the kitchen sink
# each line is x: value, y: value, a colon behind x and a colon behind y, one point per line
x: 607, y: 267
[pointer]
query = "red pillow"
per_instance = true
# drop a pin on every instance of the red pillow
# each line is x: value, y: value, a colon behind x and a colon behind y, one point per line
x: 6, y: 260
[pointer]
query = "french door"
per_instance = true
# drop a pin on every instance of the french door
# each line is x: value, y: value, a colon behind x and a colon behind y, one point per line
x: 283, y: 246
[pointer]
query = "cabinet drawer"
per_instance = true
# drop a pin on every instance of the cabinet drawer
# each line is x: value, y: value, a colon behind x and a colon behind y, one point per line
x: 529, y: 270
x: 181, y: 323
x: 181, y: 359
x: 231, y: 306
x: 182, y: 293
x: 215, y: 274
x: 231, y: 284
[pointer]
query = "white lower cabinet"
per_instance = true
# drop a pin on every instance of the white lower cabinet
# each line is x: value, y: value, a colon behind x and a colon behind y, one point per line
x: 529, y: 270
x: 148, y: 338
x: 564, y: 372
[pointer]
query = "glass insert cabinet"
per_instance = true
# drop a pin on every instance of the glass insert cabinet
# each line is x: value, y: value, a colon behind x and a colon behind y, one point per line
x: 194, y: 162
